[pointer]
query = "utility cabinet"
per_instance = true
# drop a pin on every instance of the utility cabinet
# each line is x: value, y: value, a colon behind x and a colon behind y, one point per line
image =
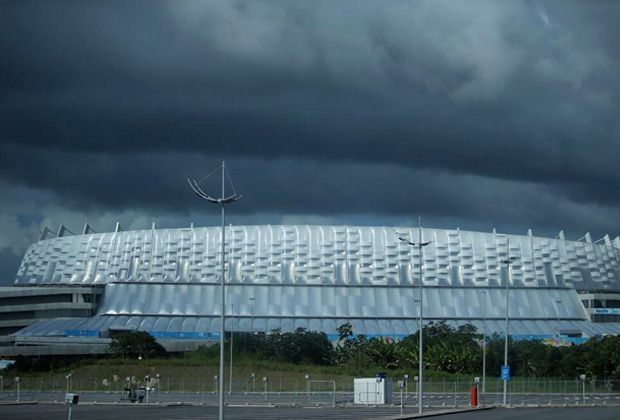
x: 372, y: 390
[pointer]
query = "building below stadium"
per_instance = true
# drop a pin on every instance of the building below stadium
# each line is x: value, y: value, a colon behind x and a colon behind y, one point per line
x: 73, y: 292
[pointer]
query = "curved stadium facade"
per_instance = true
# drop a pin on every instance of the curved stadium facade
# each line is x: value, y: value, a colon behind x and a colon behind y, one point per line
x: 166, y: 282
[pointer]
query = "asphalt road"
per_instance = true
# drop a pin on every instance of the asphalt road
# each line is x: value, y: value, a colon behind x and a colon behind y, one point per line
x: 111, y: 412
x: 289, y: 398
x: 569, y: 413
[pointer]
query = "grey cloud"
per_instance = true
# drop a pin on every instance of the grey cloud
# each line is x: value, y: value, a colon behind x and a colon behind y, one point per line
x: 472, y: 113
x: 471, y: 87
x: 155, y: 182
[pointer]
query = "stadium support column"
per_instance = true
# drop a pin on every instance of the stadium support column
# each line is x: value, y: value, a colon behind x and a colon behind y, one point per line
x: 222, y: 201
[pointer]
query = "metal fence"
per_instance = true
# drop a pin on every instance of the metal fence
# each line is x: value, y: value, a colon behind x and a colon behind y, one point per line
x: 265, y: 390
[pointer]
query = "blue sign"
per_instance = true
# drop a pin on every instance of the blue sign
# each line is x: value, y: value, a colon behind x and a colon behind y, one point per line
x: 605, y: 311
x: 505, y: 373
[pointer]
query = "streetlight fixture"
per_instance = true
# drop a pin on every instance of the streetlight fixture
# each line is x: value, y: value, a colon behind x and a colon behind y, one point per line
x: 222, y: 201
x: 508, y: 261
x: 420, y: 245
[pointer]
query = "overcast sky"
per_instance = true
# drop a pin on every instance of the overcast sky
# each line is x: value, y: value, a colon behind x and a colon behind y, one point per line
x: 472, y: 114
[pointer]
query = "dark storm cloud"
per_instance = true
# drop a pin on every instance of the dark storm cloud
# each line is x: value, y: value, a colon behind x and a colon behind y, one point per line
x: 156, y: 182
x: 497, y: 91
x: 476, y: 113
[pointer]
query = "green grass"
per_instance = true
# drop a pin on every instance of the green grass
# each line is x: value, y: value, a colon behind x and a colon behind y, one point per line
x: 195, y: 372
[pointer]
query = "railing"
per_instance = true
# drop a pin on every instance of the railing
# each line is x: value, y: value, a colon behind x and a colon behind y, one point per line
x: 437, y: 392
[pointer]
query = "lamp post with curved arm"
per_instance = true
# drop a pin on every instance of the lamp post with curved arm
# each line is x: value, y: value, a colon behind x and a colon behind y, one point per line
x: 419, y: 245
x: 222, y: 201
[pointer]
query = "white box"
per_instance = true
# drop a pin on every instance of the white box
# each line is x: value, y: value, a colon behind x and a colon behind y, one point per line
x: 372, y: 391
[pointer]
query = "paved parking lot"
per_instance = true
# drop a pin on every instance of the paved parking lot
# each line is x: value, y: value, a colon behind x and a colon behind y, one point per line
x: 115, y: 412
x: 112, y: 412
x: 435, y: 399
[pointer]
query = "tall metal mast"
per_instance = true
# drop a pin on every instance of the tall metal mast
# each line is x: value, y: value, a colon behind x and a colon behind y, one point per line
x: 508, y: 261
x: 420, y: 245
x: 222, y: 201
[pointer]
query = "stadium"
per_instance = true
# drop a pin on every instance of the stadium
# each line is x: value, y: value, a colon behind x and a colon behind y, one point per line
x: 73, y: 292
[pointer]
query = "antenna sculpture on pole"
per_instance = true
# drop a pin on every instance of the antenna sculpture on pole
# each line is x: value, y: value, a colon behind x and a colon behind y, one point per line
x: 222, y: 201
x: 420, y: 244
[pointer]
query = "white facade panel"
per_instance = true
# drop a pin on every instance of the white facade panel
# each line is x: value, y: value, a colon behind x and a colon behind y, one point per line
x: 311, y: 276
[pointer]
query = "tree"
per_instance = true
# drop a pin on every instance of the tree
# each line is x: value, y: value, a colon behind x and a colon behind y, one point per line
x: 554, y: 362
x: 135, y: 344
x: 296, y: 347
x: 446, y: 348
x: 382, y: 352
x: 602, y: 357
x: 530, y: 358
x: 350, y: 347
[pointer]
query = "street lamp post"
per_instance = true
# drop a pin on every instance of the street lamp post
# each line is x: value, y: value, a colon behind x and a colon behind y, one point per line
x: 222, y: 201
x: 401, y: 385
x: 420, y: 245
x: 484, y: 342
x: 508, y: 261
x: 232, y: 333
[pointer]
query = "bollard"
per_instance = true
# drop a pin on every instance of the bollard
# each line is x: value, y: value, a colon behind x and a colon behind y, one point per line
x: 473, y: 396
